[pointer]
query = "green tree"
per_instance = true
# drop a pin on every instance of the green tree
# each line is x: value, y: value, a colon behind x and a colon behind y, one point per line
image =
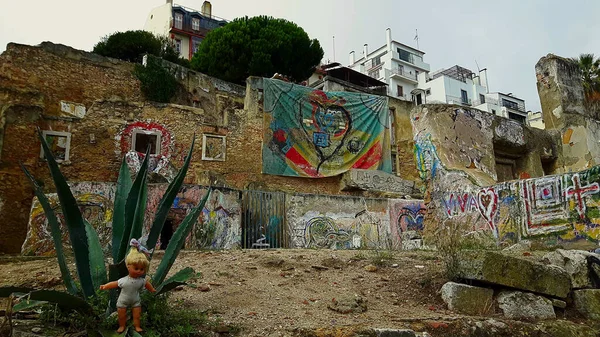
x: 589, y: 68
x: 133, y: 44
x: 258, y: 46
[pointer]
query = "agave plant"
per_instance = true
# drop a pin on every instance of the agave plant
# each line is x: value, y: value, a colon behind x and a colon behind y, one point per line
x: 128, y: 219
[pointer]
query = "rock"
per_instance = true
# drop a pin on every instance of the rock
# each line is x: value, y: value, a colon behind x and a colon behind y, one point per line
x: 371, y: 268
x: 519, y: 247
x: 500, y: 269
x: 395, y: 265
x: 574, y: 262
x: 519, y: 305
x: 36, y: 330
x: 351, y: 304
x: 564, y: 328
x: 587, y: 302
x: 558, y: 303
x: 204, y: 287
x: 394, y: 333
x: 467, y: 299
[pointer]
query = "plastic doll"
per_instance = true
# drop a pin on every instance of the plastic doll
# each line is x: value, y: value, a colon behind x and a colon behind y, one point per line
x: 131, y: 285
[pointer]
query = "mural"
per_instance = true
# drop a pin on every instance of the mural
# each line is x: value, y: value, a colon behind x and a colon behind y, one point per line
x: 406, y: 221
x: 311, y: 133
x: 559, y: 209
x: 96, y: 204
x: 320, y: 221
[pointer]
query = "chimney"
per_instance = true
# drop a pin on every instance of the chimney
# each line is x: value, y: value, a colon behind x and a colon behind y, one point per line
x: 483, y: 79
x: 352, y: 58
x: 170, y: 2
x: 366, y: 50
x: 206, y: 9
x: 388, y: 38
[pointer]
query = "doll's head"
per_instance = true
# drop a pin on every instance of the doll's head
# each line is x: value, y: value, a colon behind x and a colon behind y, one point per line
x: 137, y: 263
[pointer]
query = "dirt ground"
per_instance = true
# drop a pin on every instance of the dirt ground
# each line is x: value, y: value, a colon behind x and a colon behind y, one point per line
x: 285, y: 292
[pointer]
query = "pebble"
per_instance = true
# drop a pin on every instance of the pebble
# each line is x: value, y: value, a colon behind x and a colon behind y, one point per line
x: 371, y: 268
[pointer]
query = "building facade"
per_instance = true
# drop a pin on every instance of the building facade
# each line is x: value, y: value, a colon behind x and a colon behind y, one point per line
x: 394, y: 63
x: 185, y: 26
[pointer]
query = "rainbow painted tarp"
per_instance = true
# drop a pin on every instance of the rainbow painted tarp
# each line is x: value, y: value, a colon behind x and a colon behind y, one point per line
x: 312, y: 133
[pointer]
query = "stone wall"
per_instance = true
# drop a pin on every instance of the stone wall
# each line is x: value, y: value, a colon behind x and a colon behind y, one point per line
x: 567, y: 112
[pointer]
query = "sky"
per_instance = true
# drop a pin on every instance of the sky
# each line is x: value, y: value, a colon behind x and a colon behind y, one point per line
x: 507, y: 37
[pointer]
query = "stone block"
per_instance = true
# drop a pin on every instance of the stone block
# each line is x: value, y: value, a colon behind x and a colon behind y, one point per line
x: 377, y: 181
x: 587, y: 302
x: 574, y: 262
x: 499, y: 269
x: 519, y: 305
x: 467, y: 299
x: 394, y: 333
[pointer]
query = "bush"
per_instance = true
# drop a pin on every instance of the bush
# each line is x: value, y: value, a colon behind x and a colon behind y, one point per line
x: 157, y: 83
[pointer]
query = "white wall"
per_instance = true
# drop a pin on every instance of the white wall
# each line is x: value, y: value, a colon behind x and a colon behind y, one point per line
x: 159, y: 20
x: 185, y: 45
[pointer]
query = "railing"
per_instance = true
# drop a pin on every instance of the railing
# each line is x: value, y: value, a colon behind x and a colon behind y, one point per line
x: 513, y: 105
x: 458, y: 100
x: 403, y: 73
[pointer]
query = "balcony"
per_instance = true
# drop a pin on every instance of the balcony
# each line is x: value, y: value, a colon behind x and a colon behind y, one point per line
x: 402, y: 74
x: 520, y: 107
x: 458, y: 100
x: 412, y: 59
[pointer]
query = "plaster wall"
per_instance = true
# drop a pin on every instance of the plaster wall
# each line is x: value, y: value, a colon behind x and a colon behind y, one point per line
x: 158, y: 21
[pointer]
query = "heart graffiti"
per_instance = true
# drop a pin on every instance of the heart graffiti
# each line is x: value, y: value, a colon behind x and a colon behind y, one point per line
x: 487, y: 202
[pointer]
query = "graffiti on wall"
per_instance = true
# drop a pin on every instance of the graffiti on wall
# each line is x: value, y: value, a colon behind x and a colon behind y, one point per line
x: 342, y: 231
x: 565, y: 207
x: 312, y: 133
x: 426, y: 156
x: 95, y: 203
x: 406, y: 220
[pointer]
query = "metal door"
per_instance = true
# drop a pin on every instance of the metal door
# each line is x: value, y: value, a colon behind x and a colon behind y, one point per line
x: 263, y: 220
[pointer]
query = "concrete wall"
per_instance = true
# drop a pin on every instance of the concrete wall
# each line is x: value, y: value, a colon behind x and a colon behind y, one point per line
x: 567, y: 112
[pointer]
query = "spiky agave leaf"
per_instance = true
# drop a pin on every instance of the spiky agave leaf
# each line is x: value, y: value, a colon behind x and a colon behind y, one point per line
x: 55, y: 232
x: 73, y: 220
x: 118, y: 224
x: 177, y: 241
x: 97, y: 266
x: 180, y: 278
x: 167, y: 200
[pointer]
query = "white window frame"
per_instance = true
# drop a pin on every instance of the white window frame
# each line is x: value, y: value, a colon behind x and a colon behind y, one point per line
x: 178, y: 46
x: 150, y: 133
x: 195, y: 24
x: 67, y: 148
x: 223, y: 145
x: 178, y: 20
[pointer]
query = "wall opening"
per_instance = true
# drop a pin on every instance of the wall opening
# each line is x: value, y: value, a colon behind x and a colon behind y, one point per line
x: 144, y: 139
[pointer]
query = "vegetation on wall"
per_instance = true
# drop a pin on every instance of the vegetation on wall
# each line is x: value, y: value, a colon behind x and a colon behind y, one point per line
x: 258, y: 46
x: 132, y: 45
x: 157, y: 83
x: 589, y: 68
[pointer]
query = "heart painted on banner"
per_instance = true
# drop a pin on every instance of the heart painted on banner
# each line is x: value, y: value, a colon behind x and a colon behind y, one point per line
x: 487, y: 202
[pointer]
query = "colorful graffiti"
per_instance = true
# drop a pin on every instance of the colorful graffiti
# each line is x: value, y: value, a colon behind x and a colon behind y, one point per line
x: 563, y: 208
x: 343, y: 232
x: 96, y: 207
x: 426, y: 156
x: 311, y: 133
x: 406, y: 220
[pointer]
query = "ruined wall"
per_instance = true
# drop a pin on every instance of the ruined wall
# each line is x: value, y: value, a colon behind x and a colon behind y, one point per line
x: 566, y: 112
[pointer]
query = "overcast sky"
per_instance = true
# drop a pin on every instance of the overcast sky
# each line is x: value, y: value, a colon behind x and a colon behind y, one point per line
x: 506, y: 37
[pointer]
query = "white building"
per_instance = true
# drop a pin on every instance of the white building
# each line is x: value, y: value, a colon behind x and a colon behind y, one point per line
x: 185, y: 26
x: 458, y: 85
x: 394, y: 63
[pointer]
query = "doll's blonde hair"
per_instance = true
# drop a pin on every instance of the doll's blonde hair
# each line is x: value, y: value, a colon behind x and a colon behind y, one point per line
x: 137, y: 258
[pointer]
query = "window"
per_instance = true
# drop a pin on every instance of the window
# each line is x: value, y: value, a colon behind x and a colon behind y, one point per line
x: 400, y: 91
x: 178, y: 46
x: 510, y: 104
x: 195, y: 44
x: 481, y: 98
x: 493, y: 111
x: 59, y: 143
x: 376, y: 61
x: 464, y: 96
x: 178, y: 20
x: 374, y: 74
x: 404, y: 55
x: 517, y: 117
x: 213, y: 147
x: 195, y: 24
x: 144, y: 139
x: 427, y: 92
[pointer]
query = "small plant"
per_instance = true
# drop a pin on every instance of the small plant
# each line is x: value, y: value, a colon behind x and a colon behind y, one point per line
x: 381, y: 258
x: 157, y: 83
x: 128, y: 219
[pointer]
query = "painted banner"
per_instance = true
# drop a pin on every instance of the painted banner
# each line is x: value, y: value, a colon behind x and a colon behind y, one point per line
x: 312, y: 133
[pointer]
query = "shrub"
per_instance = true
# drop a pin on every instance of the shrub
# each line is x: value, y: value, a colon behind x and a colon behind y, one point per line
x: 157, y: 83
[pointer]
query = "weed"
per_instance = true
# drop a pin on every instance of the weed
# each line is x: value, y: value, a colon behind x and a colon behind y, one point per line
x: 381, y: 258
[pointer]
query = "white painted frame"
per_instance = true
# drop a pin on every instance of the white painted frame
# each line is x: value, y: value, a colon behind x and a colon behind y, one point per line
x: 150, y: 133
x: 67, y: 148
x: 223, y: 147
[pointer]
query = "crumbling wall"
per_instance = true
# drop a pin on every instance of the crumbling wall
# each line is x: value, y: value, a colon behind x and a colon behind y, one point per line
x: 566, y: 111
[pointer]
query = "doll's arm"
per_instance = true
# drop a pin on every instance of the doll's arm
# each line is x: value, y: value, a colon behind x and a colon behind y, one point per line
x: 110, y: 285
x: 150, y: 287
